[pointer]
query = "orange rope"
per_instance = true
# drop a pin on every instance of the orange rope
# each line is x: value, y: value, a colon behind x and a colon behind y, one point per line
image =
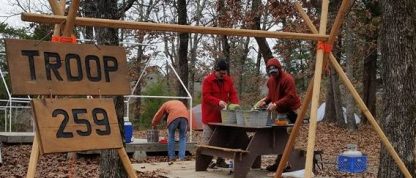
x: 63, y: 39
x: 324, y: 46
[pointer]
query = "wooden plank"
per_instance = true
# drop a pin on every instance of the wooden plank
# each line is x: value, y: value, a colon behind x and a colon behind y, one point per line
x: 126, y: 162
x: 292, y: 138
x: 223, y: 149
x: 58, y: 8
x: 63, y: 124
x: 336, y: 28
x: 315, y: 93
x: 84, y: 21
x: 70, y: 19
x: 34, y: 157
x: 34, y: 69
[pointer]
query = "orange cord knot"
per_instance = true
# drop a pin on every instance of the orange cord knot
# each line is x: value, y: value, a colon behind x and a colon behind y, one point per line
x: 324, y: 46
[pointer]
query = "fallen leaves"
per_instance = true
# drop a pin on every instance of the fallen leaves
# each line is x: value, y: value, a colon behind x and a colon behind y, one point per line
x: 329, y: 138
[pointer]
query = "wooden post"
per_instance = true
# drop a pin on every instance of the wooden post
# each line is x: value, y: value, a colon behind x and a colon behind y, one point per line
x: 299, y: 120
x: 306, y: 18
x: 84, y: 21
x: 369, y: 116
x: 315, y: 94
x: 70, y: 19
x: 358, y: 99
x: 58, y: 8
x: 126, y: 162
x: 34, y: 157
x: 336, y: 27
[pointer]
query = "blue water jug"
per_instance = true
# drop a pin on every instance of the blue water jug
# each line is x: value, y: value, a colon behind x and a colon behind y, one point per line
x: 128, y: 131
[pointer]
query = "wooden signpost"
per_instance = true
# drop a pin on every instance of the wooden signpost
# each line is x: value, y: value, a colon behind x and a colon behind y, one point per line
x: 66, y: 125
x: 45, y: 68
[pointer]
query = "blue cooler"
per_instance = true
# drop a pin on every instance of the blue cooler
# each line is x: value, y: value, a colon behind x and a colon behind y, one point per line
x: 352, y: 164
x: 128, y: 131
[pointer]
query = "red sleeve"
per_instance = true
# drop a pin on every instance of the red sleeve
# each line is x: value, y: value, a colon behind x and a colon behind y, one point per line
x: 159, y: 115
x: 268, y: 98
x: 290, y: 94
x: 233, y: 94
x: 206, y: 93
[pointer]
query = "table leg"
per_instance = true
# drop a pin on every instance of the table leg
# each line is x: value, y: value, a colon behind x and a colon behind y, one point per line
x: 257, y: 163
x: 242, y: 167
x: 202, y: 161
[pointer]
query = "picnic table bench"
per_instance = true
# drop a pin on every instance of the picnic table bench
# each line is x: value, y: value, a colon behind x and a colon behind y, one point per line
x: 245, y: 145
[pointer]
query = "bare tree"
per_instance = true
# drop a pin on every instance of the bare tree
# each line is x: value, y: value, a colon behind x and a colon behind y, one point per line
x: 183, y: 49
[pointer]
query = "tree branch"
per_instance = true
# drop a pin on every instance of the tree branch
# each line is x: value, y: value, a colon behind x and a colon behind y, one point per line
x: 125, y: 7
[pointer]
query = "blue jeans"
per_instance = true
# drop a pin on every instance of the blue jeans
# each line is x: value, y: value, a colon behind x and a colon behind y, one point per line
x: 181, y: 124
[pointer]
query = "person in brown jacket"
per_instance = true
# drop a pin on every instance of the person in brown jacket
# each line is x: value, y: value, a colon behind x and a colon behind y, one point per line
x: 177, y: 118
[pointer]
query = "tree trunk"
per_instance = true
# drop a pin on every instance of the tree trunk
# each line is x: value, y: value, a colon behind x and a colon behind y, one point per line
x: 182, y: 50
x: 370, y: 62
x: 398, y: 47
x: 195, y: 41
x: 350, y: 47
x: 263, y: 45
x: 110, y: 164
x: 334, y: 112
x: 223, y: 22
x: 370, y: 83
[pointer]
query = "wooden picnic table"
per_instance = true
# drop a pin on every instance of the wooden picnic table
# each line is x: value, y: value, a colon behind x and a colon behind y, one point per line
x: 245, y: 145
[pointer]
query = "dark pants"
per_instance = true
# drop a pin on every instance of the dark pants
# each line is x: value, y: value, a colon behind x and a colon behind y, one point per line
x: 292, y: 115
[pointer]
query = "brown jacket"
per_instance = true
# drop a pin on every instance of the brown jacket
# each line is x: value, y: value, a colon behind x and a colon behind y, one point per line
x: 172, y: 108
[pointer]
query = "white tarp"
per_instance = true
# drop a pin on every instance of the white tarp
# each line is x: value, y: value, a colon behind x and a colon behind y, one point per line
x: 321, y: 113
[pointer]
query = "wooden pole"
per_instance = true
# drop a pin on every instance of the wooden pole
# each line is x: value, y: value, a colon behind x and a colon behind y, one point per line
x: 58, y: 8
x: 358, y: 99
x: 126, y: 162
x: 83, y: 21
x: 70, y: 19
x: 34, y: 157
x: 299, y: 120
x: 336, y: 28
x: 369, y: 116
x: 315, y: 93
x: 306, y: 18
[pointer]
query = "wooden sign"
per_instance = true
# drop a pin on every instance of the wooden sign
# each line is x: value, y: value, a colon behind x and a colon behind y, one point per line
x: 65, y: 125
x: 46, y: 68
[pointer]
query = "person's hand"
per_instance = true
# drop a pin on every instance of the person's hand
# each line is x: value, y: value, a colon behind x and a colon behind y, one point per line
x: 271, y: 107
x: 261, y: 104
x: 222, y: 104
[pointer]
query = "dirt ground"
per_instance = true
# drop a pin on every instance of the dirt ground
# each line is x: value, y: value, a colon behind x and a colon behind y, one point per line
x: 329, y: 138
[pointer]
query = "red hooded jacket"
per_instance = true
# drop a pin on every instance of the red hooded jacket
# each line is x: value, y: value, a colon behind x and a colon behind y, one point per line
x: 212, y: 92
x: 282, y: 90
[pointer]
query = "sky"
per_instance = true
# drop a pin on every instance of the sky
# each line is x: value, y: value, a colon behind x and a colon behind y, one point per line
x: 11, y: 14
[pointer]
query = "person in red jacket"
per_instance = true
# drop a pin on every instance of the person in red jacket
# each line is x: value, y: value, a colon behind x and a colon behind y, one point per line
x: 217, y: 91
x: 177, y: 118
x: 281, y: 98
